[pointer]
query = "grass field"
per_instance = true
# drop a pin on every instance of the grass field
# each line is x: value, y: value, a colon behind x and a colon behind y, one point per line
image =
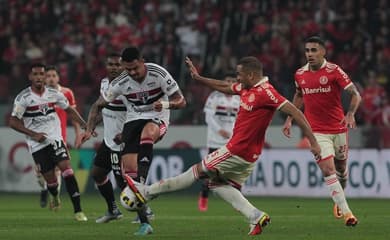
x: 177, y: 217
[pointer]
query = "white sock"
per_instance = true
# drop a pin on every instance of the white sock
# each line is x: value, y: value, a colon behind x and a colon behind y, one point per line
x: 238, y: 201
x: 172, y: 184
x: 337, y: 193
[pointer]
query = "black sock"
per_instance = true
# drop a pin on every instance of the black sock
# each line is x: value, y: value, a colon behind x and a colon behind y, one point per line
x: 143, y: 218
x: 120, y: 182
x: 145, y: 157
x: 205, y: 189
x: 73, y: 191
x: 107, y: 192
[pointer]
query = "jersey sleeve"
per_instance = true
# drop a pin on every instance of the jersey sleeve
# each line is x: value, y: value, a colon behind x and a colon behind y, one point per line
x: 237, y: 88
x: 19, y: 107
x: 61, y: 100
x: 114, y: 90
x: 71, y: 98
x: 342, y: 78
x: 271, y: 98
x: 168, y: 85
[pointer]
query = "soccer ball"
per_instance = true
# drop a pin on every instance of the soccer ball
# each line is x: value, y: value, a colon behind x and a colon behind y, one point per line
x: 129, y: 201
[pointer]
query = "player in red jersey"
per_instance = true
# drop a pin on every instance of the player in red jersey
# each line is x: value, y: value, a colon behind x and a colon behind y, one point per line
x: 228, y: 167
x: 52, y: 80
x: 318, y: 87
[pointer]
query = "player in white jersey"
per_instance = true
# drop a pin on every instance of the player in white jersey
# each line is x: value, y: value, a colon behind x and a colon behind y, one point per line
x: 220, y: 112
x: 149, y: 93
x: 34, y: 115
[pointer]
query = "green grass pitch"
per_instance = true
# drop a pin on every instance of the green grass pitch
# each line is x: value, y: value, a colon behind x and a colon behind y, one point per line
x: 177, y: 217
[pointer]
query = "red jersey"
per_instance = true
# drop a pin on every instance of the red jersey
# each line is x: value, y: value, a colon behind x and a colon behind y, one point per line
x: 322, y: 96
x: 257, y: 107
x: 62, y: 115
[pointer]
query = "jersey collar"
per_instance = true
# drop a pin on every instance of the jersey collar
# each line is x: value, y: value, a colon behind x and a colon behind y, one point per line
x: 263, y: 80
x: 306, y: 67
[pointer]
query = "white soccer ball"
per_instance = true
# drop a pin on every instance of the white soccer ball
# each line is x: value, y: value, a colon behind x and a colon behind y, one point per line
x: 129, y: 201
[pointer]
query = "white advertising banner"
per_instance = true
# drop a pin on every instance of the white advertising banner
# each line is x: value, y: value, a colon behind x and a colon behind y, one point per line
x: 294, y: 173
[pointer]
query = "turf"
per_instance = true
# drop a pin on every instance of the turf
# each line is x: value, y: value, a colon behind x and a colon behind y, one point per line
x: 177, y: 217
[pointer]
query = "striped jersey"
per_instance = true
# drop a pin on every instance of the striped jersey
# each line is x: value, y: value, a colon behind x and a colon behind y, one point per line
x: 139, y: 97
x: 114, y: 116
x: 221, y: 111
x: 39, y: 115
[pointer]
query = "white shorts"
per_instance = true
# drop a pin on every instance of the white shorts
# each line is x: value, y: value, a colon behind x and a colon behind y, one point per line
x: 221, y: 165
x: 333, y: 145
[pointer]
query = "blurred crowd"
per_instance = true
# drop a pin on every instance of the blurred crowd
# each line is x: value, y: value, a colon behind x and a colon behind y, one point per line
x: 76, y: 36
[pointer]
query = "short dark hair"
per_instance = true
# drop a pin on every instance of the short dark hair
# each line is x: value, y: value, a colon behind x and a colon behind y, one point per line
x: 130, y: 54
x: 315, y: 39
x: 251, y: 64
x: 52, y: 68
x: 37, y: 65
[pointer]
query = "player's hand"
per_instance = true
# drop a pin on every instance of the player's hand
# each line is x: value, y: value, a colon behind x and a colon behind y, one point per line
x: 316, y: 150
x: 349, y: 120
x: 85, y: 136
x: 39, y: 137
x: 118, y: 138
x: 287, y: 128
x: 157, y: 106
x: 78, y: 141
x: 224, y: 133
x: 194, y: 73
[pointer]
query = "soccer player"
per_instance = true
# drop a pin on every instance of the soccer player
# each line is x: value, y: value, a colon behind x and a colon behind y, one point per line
x: 107, y: 157
x: 34, y: 115
x: 52, y: 80
x: 149, y: 93
x: 228, y: 167
x: 220, y: 111
x: 319, y: 84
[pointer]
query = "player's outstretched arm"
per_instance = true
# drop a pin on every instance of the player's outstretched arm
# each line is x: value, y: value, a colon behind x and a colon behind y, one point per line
x: 18, y: 125
x: 221, y: 86
x: 302, y: 122
x: 76, y: 117
x: 298, y: 102
x: 349, y: 118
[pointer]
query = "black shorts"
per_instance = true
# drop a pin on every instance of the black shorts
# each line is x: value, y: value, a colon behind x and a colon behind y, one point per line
x: 108, y: 159
x: 131, y: 133
x: 48, y: 157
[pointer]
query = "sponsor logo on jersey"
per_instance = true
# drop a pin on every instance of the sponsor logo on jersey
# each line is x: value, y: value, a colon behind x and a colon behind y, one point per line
x: 271, y: 96
x: 303, y: 81
x: 316, y: 90
x: 245, y: 106
x: 323, y: 80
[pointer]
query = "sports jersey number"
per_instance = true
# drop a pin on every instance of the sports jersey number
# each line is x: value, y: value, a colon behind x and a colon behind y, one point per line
x: 56, y: 144
x: 114, y: 159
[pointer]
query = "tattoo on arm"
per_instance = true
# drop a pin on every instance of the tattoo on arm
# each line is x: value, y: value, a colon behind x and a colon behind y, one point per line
x: 355, y: 99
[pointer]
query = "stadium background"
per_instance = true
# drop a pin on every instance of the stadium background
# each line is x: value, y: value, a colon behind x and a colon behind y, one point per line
x: 76, y: 36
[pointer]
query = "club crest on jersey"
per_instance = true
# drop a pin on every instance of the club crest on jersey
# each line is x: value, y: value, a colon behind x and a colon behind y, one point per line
x: 143, y: 96
x: 251, y: 97
x: 323, y: 80
x: 43, y: 108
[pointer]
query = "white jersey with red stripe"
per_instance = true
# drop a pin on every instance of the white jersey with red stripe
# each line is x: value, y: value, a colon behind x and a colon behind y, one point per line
x: 321, y: 91
x: 139, y: 97
x: 39, y: 115
x: 114, y: 116
x: 221, y: 111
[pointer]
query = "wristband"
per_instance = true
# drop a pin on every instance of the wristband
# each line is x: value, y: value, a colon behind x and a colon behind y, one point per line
x: 165, y: 104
